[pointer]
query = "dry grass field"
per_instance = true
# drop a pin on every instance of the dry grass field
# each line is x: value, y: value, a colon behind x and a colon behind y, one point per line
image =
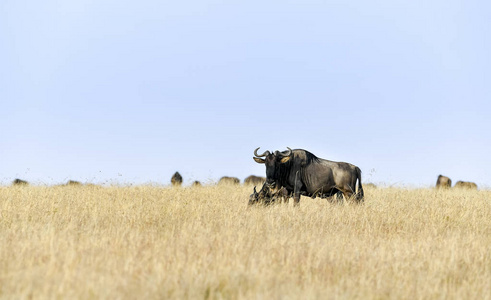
x: 149, y: 242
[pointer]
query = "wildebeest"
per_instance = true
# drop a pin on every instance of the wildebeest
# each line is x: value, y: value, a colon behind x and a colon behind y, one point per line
x: 18, y: 181
x: 466, y: 185
x: 73, y: 183
x: 196, y: 183
x: 228, y: 180
x: 443, y: 182
x: 254, y: 180
x: 303, y: 173
x: 176, y: 179
x: 266, y: 196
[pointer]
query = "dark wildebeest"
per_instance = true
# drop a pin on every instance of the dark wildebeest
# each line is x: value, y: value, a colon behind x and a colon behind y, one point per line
x: 466, y: 185
x: 18, y: 181
x: 196, y: 183
x: 228, y: 180
x: 443, y: 182
x: 73, y: 183
x: 303, y: 173
x: 254, y: 180
x: 176, y: 179
x: 267, y: 197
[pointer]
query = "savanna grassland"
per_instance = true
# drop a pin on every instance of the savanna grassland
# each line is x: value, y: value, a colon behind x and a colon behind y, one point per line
x: 144, y: 242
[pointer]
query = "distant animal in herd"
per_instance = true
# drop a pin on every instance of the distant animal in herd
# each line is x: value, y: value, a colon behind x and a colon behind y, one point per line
x: 228, y: 180
x: 176, y: 179
x: 254, y: 180
x: 18, y: 181
x: 466, y: 185
x: 445, y: 182
x: 302, y: 173
x: 73, y: 183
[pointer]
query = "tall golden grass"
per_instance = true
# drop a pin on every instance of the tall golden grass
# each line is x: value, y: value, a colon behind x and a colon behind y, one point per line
x: 148, y: 242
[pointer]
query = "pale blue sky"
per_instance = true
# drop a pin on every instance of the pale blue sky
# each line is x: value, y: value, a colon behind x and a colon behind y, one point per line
x: 132, y: 91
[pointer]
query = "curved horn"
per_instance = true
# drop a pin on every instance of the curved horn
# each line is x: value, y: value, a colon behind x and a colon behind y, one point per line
x: 281, y: 154
x: 262, y: 155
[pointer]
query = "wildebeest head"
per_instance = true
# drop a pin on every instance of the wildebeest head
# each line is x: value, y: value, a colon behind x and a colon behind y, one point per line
x: 176, y: 179
x: 443, y: 182
x: 196, y: 183
x: 266, y: 196
x: 274, y: 163
x: 254, y: 197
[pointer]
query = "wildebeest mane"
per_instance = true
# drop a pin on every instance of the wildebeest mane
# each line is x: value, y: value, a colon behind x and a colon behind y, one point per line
x: 310, y: 157
x: 283, y: 171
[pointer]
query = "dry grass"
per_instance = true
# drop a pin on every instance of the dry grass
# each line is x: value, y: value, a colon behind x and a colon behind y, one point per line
x: 205, y: 243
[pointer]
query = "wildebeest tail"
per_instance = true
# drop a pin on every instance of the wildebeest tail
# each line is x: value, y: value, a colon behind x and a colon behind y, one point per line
x: 359, y: 195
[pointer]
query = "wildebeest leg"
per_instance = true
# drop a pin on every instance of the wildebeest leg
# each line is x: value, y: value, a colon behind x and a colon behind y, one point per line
x: 335, y: 196
x: 297, y: 189
x: 347, y: 192
x: 296, y: 194
x: 348, y: 195
x: 283, y: 195
x: 296, y: 199
x: 339, y: 197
